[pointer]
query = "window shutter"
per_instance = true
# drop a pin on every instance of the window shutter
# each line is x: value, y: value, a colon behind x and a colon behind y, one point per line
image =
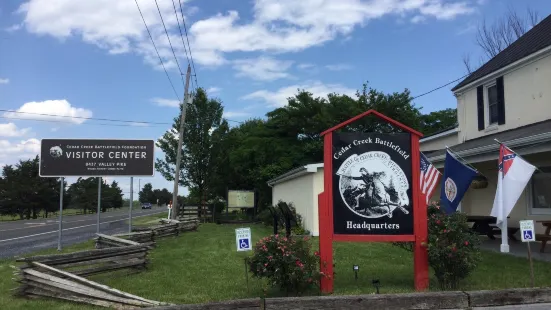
x: 480, y: 106
x: 500, y: 101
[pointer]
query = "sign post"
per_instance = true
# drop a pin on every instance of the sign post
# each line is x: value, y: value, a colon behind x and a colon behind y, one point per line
x: 131, y: 205
x: 243, y: 243
x: 98, y: 158
x: 59, y: 234
x: 169, y: 206
x: 372, y: 193
x: 527, y: 234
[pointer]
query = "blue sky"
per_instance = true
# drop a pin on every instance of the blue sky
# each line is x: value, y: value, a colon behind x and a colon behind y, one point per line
x: 95, y: 59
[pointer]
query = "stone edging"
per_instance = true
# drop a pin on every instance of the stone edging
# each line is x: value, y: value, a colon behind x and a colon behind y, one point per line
x: 430, y: 300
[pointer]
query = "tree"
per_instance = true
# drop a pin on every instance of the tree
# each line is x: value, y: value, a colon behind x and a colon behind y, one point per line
x: 162, y: 197
x: 113, y: 196
x: 438, y: 120
x: 146, y: 194
x: 494, y: 38
x: 203, y: 116
x: 84, y: 194
x: 23, y: 192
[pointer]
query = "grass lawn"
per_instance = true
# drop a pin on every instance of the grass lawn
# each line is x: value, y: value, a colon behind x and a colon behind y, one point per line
x: 149, y: 220
x: 204, y: 266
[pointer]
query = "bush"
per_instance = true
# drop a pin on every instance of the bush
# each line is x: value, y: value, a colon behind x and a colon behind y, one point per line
x: 286, y: 263
x: 453, y: 247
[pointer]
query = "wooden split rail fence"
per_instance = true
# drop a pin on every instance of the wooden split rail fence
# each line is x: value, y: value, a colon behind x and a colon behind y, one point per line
x: 144, y: 238
x: 61, y: 276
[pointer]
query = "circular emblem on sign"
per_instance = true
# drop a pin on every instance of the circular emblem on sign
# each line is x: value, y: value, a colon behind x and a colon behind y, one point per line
x: 56, y: 151
x: 450, y: 189
x: 372, y: 185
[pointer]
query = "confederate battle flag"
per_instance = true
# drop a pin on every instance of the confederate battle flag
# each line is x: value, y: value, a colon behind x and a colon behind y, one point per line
x: 514, y: 173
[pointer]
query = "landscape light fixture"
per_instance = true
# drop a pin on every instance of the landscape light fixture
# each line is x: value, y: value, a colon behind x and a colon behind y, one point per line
x: 377, y: 284
x: 356, y: 268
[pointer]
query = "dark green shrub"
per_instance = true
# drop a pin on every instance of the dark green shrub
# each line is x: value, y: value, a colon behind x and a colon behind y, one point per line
x: 453, y: 247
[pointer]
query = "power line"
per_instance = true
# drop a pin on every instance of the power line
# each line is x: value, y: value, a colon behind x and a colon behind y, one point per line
x: 68, y: 122
x: 170, y: 43
x: 86, y: 118
x: 439, y: 87
x: 157, y: 51
x: 182, y: 37
x: 189, y: 46
x: 179, y: 27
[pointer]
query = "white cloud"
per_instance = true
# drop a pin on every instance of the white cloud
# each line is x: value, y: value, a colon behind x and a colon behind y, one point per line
x: 11, y: 130
x: 213, y: 90
x: 418, y: 19
x: 235, y: 114
x: 339, y: 67
x: 279, y: 98
x: 138, y: 124
x: 23, y: 149
x: 4, y: 81
x: 306, y: 66
x: 282, y: 26
x: 166, y: 102
x: 51, y: 110
x: 262, y: 68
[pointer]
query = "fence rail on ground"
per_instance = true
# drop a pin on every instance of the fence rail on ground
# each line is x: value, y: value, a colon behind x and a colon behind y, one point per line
x: 61, y: 276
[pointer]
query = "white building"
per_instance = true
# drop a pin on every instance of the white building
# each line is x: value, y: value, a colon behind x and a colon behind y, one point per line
x: 508, y: 99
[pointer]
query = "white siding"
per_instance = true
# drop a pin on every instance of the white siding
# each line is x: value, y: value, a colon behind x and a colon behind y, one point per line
x: 438, y: 143
x: 527, y: 100
x: 300, y: 192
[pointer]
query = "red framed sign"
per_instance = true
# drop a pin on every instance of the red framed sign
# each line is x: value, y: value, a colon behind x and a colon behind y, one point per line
x: 372, y: 193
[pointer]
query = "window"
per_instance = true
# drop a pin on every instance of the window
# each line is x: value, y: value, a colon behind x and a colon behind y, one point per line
x: 541, y: 192
x: 492, y: 105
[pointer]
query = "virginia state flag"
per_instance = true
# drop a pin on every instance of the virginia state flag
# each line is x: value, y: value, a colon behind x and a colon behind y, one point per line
x: 514, y: 173
x: 455, y: 182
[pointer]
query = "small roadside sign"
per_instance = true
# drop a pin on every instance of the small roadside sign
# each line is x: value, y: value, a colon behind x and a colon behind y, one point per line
x: 528, y: 234
x: 243, y: 239
x: 169, y: 206
x: 527, y: 231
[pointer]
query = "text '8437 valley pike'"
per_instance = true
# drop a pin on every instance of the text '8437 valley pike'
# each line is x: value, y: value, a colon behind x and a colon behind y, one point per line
x: 96, y: 157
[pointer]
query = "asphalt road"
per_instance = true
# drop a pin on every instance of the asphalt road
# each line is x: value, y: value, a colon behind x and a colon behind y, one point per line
x: 22, y: 237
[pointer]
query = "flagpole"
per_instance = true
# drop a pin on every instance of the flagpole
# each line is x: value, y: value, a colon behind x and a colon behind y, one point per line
x: 465, y: 161
x: 504, y: 225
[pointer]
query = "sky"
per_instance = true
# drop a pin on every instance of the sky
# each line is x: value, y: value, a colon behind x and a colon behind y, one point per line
x: 95, y: 59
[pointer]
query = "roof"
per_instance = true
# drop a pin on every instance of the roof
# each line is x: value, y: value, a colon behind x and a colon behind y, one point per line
x: 537, y: 38
x: 441, y: 133
x: 295, y: 173
x: 524, y: 135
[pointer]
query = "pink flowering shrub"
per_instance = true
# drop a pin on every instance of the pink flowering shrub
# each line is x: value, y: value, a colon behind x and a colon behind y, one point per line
x: 452, y: 246
x: 287, y: 263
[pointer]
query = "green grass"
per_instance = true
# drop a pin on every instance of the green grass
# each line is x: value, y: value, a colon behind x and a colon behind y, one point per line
x: 149, y: 220
x: 204, y: 266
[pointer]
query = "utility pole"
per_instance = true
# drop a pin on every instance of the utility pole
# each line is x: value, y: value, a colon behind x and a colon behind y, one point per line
x: 175, y: 206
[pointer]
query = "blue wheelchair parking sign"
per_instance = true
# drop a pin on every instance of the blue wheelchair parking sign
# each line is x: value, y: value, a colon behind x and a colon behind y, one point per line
x: 528, y: 235
x: 243, y: 243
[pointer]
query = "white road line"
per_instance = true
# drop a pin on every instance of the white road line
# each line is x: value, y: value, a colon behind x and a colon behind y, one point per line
x: 51, y: 222
x: 55, y: 231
